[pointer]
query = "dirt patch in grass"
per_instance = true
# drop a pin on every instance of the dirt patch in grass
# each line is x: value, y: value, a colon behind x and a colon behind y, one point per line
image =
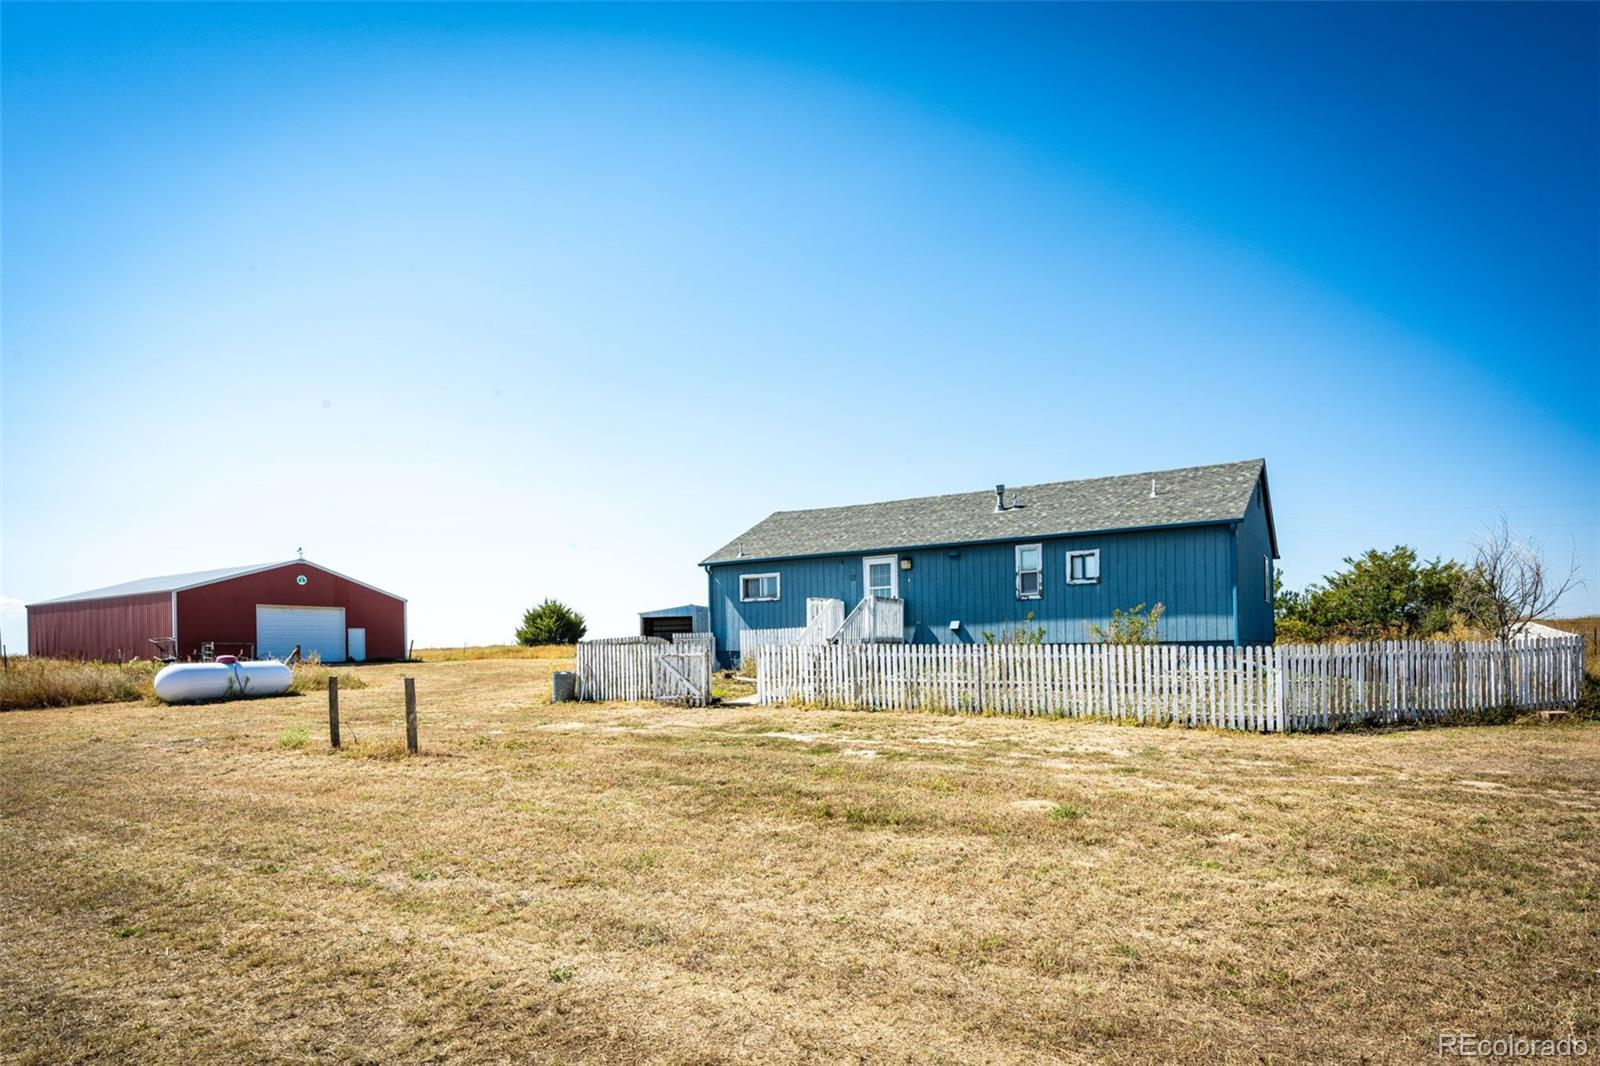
x: 670, y: 884
x: 732, y: 685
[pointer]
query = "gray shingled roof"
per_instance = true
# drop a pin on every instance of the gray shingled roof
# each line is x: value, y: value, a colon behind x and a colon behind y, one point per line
x: 169, y: 583
x: 1190, y: 496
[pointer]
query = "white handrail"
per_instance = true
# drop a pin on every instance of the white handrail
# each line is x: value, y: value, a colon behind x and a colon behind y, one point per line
x: 876, y: 619
x: 824, y: 617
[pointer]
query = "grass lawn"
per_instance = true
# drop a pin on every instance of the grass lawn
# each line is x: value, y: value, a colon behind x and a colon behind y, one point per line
x: 616, y: 883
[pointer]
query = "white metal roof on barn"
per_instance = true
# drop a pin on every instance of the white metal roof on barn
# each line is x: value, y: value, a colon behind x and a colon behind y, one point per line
x: 194, y: 579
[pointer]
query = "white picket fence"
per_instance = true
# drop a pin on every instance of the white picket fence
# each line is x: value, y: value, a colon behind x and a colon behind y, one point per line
x: 644, y: 668
x: 752, y: 641
x: 1268, y: 689
x: 707, y: 641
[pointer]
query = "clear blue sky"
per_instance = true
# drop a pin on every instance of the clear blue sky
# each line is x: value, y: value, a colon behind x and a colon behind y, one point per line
x: 485, y: 304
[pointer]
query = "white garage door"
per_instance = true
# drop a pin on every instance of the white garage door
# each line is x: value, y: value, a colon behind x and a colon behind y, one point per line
x: 318, y: 630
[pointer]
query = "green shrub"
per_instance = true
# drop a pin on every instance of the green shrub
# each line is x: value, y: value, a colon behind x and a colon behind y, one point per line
x: 1392, y: 595
x: 1022, y: 635
x: 551, y: 622
x: 1297, y: 631
x: 1137, y: 626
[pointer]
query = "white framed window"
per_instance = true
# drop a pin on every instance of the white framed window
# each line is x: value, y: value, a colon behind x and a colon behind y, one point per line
x: 756, y: 587
x: 1266, y: 584
x: 880, y: 575
x: 1083, y: 568
x: 1030, y: 571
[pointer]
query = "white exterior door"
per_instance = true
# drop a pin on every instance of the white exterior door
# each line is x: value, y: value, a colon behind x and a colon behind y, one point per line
x: 880, y: 575
x: 356, y: 642
x: 318, y: 630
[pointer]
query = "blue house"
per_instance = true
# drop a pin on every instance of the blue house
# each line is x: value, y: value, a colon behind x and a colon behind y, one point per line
x: 942, y: 569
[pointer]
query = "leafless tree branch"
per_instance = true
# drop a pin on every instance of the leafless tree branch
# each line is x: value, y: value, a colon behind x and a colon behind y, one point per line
x: 1508, y: 584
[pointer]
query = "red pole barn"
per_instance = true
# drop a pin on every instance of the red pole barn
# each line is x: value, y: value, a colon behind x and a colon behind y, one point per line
x: 251, y: 611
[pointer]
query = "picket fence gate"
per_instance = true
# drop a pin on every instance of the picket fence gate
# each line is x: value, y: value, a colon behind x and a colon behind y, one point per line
x: 1266, y: 688
x: 708, y: 641
x: 645, y: 668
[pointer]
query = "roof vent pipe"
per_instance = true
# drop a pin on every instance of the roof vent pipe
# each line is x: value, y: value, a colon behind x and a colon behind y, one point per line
x: 999, y: 498
x: 1152, y: 488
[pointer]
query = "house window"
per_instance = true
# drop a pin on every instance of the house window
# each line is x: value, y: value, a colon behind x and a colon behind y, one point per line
x: 1083, y: 568
x: 754, y: 587
x: 1266, y: 569
x: 1030, y: 571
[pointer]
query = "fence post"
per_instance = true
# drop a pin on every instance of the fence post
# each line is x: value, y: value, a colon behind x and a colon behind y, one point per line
x: 333, y: 710
x: 411, y: 715
x: 1280, y: 694
x: 1111, y: 685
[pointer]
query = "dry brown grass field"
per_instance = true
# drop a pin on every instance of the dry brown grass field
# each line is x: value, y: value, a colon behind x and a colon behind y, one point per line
x: 610, y: 883
x: 493, y: 651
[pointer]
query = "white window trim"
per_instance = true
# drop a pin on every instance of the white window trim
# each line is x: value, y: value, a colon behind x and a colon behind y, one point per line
x: 1084, y: 580
x: 777, y: 586
x: 1038, y: 586
x: 894, y: 574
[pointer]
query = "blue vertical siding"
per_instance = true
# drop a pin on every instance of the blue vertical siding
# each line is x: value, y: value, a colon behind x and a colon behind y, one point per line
x: 1189, y: 570
x: 1254, y: 541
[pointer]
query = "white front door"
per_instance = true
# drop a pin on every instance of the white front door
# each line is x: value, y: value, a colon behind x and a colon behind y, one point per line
x: 880, y: 575
x: 318, y: 630
x: 357, y: 643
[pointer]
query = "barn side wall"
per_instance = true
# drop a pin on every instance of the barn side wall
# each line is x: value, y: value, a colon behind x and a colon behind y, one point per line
x: 107, y: 629
x: 225, y: 612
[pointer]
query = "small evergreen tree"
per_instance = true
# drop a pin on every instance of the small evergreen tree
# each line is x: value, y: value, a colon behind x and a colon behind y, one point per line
x: 552, y: 622
x: 1378, y: 596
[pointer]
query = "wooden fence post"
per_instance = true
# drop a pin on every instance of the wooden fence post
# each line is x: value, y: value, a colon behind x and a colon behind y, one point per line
x: 411, y: 715
x: 333, y: 710
x: 1280, y: 702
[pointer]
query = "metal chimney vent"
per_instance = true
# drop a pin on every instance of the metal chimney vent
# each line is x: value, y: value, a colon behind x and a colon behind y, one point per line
x: 999, y: 498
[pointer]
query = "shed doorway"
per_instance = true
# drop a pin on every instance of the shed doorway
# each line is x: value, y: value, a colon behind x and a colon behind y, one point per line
x: 665, y: 627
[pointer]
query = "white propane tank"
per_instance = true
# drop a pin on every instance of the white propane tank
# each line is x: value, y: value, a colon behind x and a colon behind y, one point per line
x: 185, y: 682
